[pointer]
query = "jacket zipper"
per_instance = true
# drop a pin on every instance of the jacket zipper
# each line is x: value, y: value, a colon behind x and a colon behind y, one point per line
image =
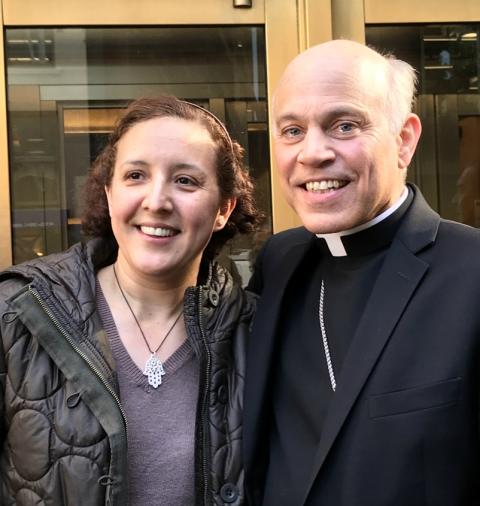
x: 82, y: 354
x: 204, y: 420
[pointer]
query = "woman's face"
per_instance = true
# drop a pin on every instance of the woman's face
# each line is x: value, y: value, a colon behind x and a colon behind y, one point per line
x: 164, y: 200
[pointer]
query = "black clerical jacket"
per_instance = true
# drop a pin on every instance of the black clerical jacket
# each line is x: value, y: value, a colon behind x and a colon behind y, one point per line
x: 402, y: 428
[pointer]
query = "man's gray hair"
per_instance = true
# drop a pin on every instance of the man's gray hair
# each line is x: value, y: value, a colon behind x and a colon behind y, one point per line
x: 402, y: 81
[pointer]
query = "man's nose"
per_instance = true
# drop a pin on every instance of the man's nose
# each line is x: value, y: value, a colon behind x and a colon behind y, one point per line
x: 158, y: 196
x: 316, y: 148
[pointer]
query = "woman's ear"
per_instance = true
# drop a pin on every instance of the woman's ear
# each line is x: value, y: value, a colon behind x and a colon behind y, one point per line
x: 408, y: 139
x: 107, y: 193
x: 224, y: 213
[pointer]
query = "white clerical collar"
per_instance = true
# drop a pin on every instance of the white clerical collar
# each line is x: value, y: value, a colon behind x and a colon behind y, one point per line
x: 334, y: 240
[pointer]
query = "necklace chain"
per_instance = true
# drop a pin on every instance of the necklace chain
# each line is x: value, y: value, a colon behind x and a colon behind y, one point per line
x: 153, y: 367
x: 324, y: 337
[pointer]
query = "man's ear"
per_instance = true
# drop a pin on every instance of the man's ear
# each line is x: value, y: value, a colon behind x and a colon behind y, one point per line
x: 224, y: 213
x: 408, y: 139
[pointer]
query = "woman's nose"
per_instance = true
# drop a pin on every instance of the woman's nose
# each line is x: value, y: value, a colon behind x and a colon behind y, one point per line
x: 316, y: 149
x: 158, y: 197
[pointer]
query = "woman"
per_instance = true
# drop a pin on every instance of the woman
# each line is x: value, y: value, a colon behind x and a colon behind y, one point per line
x: 137, y: 328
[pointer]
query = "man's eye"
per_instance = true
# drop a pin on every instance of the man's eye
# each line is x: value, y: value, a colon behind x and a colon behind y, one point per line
x: 346, y: 127
x: 291, y: 132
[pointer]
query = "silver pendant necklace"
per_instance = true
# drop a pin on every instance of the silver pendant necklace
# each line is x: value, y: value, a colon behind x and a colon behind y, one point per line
x: 326, y: 348
x: 154, y: 369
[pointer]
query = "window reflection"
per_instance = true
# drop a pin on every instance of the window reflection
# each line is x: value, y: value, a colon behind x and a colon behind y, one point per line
x: 66, y: 87
x: 468, y: 183
x: 447, y: 163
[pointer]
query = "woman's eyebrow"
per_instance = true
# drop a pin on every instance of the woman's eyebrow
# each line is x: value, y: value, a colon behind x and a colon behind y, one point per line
x: 139, y: 163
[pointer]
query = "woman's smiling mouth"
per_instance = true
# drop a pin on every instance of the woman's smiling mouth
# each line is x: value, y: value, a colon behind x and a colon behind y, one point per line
x: 158, y: 231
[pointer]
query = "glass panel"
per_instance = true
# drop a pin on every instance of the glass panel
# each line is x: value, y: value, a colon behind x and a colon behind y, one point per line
x: 66, y: 87
x: 447, y: 163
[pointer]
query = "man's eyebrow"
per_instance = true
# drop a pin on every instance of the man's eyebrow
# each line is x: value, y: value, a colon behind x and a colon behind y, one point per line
x: 287, y: 117
x: 328, y: 114
x: 359, y: 113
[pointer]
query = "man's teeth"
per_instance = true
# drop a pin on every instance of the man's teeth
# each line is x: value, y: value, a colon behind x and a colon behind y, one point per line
x: 330, y: 184
x: 159, y: 232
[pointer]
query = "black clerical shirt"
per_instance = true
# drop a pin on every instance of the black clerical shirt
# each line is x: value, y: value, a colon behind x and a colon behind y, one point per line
x: 302, y: 388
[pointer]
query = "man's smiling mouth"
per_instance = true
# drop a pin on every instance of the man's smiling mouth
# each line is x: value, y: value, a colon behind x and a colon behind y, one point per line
x: 325, y: 185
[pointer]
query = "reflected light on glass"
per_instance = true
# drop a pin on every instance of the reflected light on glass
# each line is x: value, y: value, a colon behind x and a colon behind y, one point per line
x: 471, y: 36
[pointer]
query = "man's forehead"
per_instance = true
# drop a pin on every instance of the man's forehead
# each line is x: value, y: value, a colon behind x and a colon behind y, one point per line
x: 363, y: 83
x: 310, y: 90
x: 335, y: 71
x: 337, y: 52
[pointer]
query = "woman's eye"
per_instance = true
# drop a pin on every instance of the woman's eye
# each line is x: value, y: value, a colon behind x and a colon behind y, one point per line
x: 134, y: 175
x: 185, y: 181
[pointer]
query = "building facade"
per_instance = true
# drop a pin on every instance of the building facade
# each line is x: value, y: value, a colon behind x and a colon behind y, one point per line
x: 70, y: 67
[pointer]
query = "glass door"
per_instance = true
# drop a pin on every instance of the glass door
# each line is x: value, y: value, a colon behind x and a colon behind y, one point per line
x: 67, y: 86
x: 446, y: 165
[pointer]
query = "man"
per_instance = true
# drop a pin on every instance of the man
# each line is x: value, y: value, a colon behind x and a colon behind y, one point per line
x: 363, y: 369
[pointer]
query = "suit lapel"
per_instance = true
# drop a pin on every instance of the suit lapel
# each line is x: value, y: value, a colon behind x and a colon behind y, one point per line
x: 262, y: 350
x: 397, y: 281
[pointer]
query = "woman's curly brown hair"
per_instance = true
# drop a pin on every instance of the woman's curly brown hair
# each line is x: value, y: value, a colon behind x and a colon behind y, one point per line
x: 232, y: 176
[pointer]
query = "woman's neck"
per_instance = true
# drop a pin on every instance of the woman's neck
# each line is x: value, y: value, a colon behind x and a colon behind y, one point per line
x: 149, y: 296
x: 148, y: 315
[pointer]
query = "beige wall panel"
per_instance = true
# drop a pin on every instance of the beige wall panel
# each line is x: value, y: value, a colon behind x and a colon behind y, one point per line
x: 5, y: 230
x: 90, y: 120
x: 48, y: 105
x: 348, y: 20
x: 314, y: 22
x: 116, y: 12
x: 318, y: 21
x: 282, y: 45
x: 24, y: 98
x: 424, y: 11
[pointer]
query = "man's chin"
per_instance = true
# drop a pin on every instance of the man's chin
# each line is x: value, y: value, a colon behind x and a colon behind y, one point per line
x: 327, y: 225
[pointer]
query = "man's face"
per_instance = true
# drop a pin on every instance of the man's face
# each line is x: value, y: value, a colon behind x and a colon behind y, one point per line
x: 337, y: 157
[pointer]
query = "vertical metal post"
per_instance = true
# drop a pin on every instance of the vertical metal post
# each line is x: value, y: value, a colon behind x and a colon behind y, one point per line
x: 5, y: 210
